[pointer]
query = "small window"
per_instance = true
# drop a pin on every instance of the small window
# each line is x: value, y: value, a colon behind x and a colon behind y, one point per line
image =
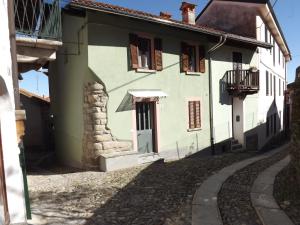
x: 271, y: 121
x: 279, y: 88
x: 268, y: 127
x: 267, y: 83
x: 266, y: 34
x: 274, y: 54
x: 279, y: 55
x: 144, y: 53
x: 194, y: 115
x: 275, y: 123
x: 274, y: 91
x: 271, y: 86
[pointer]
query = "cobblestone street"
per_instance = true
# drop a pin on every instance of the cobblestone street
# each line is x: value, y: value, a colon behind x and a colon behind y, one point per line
x: 160, y: 193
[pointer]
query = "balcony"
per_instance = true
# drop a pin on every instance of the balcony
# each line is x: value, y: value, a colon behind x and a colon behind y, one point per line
x: 242, y: 82
x: 38, y: 32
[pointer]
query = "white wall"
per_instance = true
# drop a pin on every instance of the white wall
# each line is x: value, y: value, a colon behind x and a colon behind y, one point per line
x: 13, y: 173
x: 270, y: 104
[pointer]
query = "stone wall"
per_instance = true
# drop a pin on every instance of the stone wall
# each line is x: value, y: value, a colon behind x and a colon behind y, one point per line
x: 295, y: 150
x: 97, y: 138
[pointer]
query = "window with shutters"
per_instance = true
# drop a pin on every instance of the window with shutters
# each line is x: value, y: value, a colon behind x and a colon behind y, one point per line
x: 194, y: 115
x: 145, y: 52
x: 192, y: 58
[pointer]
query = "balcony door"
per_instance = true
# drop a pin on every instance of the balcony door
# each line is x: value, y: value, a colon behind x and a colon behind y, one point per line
x: 237, y: 59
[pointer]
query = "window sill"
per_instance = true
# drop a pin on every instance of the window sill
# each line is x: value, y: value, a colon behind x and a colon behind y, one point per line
x: 193, y: 73
x: 140, y: 70
x: 195, y: 129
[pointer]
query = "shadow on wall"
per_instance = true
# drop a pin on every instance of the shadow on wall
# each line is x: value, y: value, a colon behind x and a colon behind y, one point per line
x: 266, y: 135
x: 225, y: 98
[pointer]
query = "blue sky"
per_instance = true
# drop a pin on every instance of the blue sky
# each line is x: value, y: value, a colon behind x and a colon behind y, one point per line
x: 287, y: 12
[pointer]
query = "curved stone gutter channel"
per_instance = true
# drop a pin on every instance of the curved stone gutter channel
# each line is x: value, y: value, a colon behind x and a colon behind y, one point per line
x: 230, y: 189
x: 262, y: 196
x: 234, y: 199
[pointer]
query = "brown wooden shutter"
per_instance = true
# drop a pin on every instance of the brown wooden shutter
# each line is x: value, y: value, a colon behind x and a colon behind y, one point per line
x: 197, y: 114
x: 133, y: 43
x: 191, y: 115
x: 184, y: 57
x: 158, y: 54
x: 201, y: 59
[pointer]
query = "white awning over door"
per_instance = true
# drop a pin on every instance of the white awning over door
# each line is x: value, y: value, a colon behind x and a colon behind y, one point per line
x: 147, y: 93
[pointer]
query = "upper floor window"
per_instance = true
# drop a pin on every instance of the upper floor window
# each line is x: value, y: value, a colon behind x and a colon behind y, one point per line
x: 274, y: 55
x: 271, y: 85
x: 279, y: 88
x: 266, y: 34
x: 145, y: 52
x: 279, y: 55
x: 267, y: 83
x: 192, y: 58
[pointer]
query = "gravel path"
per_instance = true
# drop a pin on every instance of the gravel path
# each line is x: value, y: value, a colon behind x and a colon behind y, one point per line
x: 160, y: 193
x: 287, y: 195
x: 234, y: 198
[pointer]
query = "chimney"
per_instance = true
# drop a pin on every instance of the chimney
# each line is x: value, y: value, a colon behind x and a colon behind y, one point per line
x: 165, y: 15
x: 188, y: 13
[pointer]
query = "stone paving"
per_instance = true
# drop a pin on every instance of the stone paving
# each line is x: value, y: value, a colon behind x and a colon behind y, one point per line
x: 262, y: 196
x: 286, y: 194
x: 234, y: 198
x: 160, y: 193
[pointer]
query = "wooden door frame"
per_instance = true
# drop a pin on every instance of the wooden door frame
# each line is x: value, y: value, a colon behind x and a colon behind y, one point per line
x: 154, y: 101
x: 3, y: 184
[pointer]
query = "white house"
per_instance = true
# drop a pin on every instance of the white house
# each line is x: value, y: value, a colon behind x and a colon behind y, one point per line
x: 256, y: 115
x: 12, y: 204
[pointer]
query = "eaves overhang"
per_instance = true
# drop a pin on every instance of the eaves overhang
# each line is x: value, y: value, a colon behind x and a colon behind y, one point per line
x: 265, y: 8
x: 120, y: 11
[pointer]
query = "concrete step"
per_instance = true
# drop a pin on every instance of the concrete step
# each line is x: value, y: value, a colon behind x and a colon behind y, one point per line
x: 236, y: 147
x: 148, y: 158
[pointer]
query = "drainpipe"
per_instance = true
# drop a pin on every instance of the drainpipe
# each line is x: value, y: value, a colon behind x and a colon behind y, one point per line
x: 221, y: 42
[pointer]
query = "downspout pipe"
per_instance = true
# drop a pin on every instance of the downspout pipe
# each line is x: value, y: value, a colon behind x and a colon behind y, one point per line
x: 221, y: 42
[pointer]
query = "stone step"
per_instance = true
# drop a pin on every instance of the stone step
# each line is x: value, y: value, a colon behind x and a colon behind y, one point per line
x: 148, y: 158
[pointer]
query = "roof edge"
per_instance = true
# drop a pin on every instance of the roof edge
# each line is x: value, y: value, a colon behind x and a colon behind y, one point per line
x: 177, y: 24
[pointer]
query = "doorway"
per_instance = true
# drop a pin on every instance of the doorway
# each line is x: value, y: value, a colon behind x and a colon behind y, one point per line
x: 146, y: 127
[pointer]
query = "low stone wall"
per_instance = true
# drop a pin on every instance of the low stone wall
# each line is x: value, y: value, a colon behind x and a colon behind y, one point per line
x: 97, y: 137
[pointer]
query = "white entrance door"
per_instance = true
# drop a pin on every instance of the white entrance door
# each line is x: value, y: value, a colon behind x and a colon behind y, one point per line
x: 238, y: 119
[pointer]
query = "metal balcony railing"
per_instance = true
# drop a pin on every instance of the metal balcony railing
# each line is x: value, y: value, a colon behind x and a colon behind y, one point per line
x: 242, y: 81
x: 39, y: 19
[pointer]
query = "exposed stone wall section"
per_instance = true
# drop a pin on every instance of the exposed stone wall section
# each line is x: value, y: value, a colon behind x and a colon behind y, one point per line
x: 295, y: 150
x: 97, y: 137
